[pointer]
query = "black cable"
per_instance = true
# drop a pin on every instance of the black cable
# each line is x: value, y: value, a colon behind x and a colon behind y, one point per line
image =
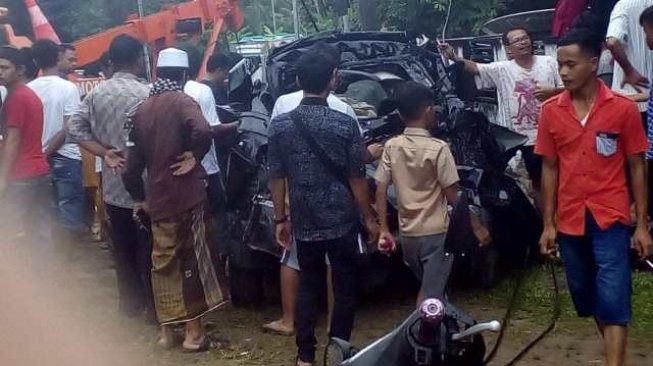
x: 507, y: 317
x: 554, y: 318
x: 310, y: 16
x: 506, y: 320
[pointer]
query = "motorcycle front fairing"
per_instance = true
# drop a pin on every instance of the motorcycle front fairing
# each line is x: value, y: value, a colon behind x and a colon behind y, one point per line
x: 401, y: 348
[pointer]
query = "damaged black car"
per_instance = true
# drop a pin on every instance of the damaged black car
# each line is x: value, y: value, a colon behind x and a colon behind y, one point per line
x: 503, y: 226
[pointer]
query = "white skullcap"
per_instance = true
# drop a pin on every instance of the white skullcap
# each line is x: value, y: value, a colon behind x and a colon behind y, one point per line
x: 172, y: 57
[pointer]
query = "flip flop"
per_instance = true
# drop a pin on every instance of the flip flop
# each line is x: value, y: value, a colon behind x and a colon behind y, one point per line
x: 276, y: 327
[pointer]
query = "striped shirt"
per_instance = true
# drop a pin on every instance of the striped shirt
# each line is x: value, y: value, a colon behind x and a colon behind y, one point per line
x: 102, y: 117
x: 624, y: 26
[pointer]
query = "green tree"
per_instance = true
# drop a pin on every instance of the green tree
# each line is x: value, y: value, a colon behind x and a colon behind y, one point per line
x: 467, y: 16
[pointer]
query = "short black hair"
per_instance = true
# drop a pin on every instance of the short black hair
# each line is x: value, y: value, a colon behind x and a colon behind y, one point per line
x: 647, y: 17
x: 194, y: 60
x: 218, y: 61
x: 315, y: 70
x: 411, y: 98
x: 15, y: 56
x: 105, y: 60
x: 45, y: 53
x: 31, y: 70
x: 327, y: 49
x: 125, y: 50
x: 589, y: 41
x: 177, y: 74
x: 504, y: 36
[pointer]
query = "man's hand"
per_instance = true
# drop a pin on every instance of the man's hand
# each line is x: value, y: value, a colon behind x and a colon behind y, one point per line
x: 642, y: 242
x: 543, y: 93
x: 284, y: 234
x: 186, y: 163
x: 375, y: 150
x: 49, y: 151
x: 141, y: 207
x: 636, y: 80
x: 387, y: 242
x: 372, y: 228
x: 548, y: 246
x: 114, y: 159
x: 639, y: 97
x: 448, y: 51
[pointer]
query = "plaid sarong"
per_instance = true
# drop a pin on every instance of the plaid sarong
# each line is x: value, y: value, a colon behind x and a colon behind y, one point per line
x: 184, y: 280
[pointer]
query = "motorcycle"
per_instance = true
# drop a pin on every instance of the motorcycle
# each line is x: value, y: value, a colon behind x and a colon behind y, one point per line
x: 430, y: 336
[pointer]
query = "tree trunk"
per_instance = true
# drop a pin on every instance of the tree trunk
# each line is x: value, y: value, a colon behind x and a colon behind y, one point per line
x: 368, y: 16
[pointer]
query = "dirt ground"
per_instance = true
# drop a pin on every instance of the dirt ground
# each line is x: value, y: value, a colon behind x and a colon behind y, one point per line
x: 81, y: 311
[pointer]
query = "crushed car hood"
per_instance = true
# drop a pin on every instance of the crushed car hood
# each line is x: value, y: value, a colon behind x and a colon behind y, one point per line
x: 371, y: 52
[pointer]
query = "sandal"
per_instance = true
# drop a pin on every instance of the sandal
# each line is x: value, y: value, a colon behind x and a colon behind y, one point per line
x: 276, y: 327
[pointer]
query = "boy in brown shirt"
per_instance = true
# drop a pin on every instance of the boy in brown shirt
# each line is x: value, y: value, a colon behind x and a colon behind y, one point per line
x: 423, y: 172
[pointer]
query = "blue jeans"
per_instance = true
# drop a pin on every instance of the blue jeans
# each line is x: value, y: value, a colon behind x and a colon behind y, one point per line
x: 598, y: 272
x: 68, y: 191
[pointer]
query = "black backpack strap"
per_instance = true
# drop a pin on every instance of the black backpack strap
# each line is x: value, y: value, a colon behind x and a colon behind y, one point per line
x: 329, y: 164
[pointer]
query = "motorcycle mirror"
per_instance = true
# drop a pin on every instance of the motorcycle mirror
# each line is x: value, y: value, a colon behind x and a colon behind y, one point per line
x: 338, y: 351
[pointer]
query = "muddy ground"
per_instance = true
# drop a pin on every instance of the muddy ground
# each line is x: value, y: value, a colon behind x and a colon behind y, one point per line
x: 82, y: 311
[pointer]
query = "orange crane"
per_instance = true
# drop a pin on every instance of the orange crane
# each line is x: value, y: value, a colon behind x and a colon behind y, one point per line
x: 158, y: 30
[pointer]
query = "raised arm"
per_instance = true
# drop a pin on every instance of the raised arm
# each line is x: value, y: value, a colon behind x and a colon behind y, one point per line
x: 450, y: 53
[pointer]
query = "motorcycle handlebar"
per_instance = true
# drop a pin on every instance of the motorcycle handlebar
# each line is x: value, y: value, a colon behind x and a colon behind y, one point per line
x: 493, y: 326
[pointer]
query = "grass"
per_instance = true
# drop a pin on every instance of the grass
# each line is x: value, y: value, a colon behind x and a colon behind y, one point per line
x: 536, y: 298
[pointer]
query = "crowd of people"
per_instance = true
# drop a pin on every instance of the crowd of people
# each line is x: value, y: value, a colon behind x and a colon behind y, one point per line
x: 163, y: 193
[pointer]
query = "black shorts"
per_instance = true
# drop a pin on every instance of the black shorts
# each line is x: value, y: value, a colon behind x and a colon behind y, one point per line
x: 533, y: 164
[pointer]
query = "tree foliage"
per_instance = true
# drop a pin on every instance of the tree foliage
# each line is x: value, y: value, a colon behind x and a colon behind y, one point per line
x: 74, y: 19
x: 467, y: 16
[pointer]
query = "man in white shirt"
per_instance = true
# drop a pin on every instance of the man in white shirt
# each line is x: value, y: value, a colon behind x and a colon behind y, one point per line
x: 522, y: 84
x: 289, y: 271
x: 633, y: 69
x: 203, y: 95
x: 60, y: 100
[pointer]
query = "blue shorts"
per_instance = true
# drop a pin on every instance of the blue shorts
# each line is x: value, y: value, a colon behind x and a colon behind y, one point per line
x: 598, y: 272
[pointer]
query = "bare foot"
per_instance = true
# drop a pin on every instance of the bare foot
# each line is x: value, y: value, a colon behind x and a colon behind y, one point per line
x: 167, y: 337
x: 279, y: 327
x: 201, y: 345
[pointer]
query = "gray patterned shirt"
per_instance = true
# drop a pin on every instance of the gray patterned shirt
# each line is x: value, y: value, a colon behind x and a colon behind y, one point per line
x: 321, y: 207
x: 101, y: 117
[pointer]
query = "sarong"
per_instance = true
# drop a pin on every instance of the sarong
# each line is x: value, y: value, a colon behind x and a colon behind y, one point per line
x: 184, y: 281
